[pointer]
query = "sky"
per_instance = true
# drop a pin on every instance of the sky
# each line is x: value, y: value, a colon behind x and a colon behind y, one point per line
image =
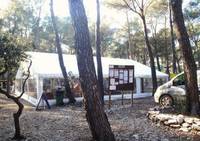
x: 61, y: 9
x: 108, y: 15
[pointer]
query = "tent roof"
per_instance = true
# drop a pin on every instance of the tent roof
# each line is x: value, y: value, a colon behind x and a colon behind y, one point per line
x: 47, y: 65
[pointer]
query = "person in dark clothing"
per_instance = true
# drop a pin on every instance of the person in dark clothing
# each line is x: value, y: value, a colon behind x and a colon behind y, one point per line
x: 44, y: 97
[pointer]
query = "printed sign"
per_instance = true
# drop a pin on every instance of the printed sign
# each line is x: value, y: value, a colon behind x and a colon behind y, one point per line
x: 121, y: 77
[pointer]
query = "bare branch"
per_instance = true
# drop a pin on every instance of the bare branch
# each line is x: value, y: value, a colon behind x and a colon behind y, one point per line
x: 116, y: 5
x: 133, y: 3
x: 132, y: 9
x: 138, y: 5
x: 147, y: 5
x: 7, y: 94
x: 28, y: 75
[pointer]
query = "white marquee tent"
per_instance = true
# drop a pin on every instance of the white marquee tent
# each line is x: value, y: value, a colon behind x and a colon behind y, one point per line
x: 46, y: 65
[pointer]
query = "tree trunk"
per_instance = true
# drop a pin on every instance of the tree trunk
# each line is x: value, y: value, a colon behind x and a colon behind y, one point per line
x: 20, y: 108
x: 96, y: 117
x: 16, y: 119
x: 36, y: 32
x: 98, y: 54
x: 172, y: 41
x: 188, y: 59
x: 156, y: 51
x: 152, y: 64
x: 144, y: 60
x: 158, y: 62
x: 60, y: 57
x: 166, y: 49
x: 156, y: 55
x: 129, y: 38
x: 178, y: 64
x: 14, y: 27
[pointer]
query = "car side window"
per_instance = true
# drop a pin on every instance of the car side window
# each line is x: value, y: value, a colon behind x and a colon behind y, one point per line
x: 180, y: 80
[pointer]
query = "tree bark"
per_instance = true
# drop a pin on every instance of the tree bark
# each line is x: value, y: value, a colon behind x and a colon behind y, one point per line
x: 16, y: 119
x: 98, y: 54
x: 129, y: 38
x: 188, y: 59
x: 155, y: 47
x: 7, y: 93
x: 36, y: 32
x: 60, y: 57
x: 157, y: 59
x: 166, y: 49
x: 96, y: 117
x: 178, y: 64
x: 152, y: 64
x: 172, y: 41
x: 18, y: 113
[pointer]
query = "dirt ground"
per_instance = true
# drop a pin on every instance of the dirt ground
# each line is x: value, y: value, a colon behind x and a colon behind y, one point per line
x: 68, y: 123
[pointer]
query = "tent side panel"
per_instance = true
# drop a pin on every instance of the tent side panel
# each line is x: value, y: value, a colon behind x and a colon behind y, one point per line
x: 39, y: 83
x: 138, y: 86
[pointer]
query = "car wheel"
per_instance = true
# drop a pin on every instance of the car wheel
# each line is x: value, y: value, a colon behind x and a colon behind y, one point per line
x: 166, y: 101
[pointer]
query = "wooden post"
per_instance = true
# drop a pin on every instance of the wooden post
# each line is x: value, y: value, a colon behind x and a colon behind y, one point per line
x: 132, y: 98
x: 109, y: 105
x: 38, y: 103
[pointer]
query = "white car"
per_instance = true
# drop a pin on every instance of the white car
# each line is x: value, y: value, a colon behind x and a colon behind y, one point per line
x: 166, y: 93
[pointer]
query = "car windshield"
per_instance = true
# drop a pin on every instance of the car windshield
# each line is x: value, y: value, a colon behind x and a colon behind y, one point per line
x: 179, y: 80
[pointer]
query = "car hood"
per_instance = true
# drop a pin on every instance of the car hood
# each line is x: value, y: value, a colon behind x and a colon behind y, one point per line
x: 165, y: 85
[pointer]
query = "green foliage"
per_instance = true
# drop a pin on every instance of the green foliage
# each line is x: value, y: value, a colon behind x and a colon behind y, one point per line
x: 192, y: 16
x: 107, y: 39
x: 18, y: 18
x: 192, y: 11
x: 47, y: 36
x: 12, y: 51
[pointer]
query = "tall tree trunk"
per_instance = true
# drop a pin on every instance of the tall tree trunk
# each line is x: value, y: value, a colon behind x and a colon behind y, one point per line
x: 60, y: 57
x: 14, y: 27
x: 189, y: 63
x: 166, y: 49
x: 129, y: 38
x: 36, y: 32
x: 178, y: 64
x: 152, y: 64
x: 155, y: 47
x: 127, y: 50
x: 174, y: 58
x: 144, y: 57
x: 98, y: 54
x: 157, y: 57
x: 96, y: 117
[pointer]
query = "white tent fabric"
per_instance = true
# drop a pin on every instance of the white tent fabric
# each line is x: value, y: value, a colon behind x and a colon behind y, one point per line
x: 46, y: 65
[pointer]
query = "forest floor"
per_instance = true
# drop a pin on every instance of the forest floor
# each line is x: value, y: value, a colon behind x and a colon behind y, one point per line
x: 68, y: 123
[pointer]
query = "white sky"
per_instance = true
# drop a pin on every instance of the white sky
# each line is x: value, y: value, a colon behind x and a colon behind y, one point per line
x: 114, y: 17
x: 108, y: 15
